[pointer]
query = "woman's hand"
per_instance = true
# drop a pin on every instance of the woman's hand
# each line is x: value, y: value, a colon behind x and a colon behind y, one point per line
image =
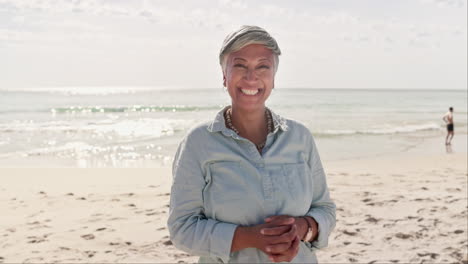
x: 271, y: 238
x: 278, y: 238
x: 283, y: 252
x: 274, y: 237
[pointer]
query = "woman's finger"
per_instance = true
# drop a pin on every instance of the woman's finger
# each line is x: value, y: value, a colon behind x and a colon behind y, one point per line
x: 284, y: 238
x: 275, y: 231
x: 289, y: 254
x: 280, y: 220
x: 290, y: 235
x: 277, y: 248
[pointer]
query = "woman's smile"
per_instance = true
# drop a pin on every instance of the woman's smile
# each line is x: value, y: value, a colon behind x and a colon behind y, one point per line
x: 250, y: 91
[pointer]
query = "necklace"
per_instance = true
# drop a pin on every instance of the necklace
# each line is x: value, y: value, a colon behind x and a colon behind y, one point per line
x: 269, y: 120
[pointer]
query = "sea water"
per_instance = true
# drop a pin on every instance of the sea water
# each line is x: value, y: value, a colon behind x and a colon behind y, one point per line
x: 142, y: 127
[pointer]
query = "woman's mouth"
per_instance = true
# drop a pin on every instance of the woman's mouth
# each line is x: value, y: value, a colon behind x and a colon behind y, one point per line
x: 249, y: 91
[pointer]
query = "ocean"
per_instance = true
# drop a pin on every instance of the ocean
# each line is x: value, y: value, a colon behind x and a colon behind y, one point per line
x: 102, y: 127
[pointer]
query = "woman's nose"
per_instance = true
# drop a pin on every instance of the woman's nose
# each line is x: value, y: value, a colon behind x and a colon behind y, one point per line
x: 250, y: 75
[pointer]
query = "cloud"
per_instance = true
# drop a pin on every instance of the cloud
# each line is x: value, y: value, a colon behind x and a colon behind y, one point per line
x: 234, y: 4
x: 98, y: 7
x: 446, y: 3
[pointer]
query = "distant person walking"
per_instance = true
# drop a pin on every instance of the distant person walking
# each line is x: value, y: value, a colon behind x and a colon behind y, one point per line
x: 448, y: 118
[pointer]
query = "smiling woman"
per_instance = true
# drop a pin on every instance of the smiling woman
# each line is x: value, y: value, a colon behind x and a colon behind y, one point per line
x: 249, y: 187
x: 249, y: 77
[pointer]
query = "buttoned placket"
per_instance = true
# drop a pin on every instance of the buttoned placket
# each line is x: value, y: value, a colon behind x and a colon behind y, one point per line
x: 259, y: 162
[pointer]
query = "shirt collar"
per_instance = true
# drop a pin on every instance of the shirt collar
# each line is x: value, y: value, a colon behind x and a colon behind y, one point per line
x: 219, y: 125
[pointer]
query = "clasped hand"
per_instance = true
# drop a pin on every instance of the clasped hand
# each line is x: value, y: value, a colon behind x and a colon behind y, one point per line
x: 278, y: 238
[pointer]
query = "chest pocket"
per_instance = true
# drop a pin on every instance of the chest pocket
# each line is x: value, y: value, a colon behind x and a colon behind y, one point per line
x: 232, y: 192
x: 298, y: 181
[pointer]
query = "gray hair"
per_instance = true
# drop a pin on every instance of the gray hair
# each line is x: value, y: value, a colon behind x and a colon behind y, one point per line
x: 244, y: 36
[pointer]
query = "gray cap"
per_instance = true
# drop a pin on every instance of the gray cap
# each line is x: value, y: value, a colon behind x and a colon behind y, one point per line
x: 246, y: 35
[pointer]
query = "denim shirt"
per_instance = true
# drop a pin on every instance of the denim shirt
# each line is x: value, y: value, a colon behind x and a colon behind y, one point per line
x: 221, y: 181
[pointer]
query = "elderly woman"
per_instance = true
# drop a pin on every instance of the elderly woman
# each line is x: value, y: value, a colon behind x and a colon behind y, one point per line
x: 249, y: 186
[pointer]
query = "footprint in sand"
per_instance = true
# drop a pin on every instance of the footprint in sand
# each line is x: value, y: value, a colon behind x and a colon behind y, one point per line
x: 432, y: 255
x: 371, y: 219
x: 423, y: 199
x: 35, y: 241
x: 90, y: 253
x: 181, y: 255
x: 403, y: 235
x: 116, y: 218
x: 364, y: 244
x: 349, y: 233
x: 148, y: 214
x: 167, y: 243
x: 88, y: 236
x: 436, y: 222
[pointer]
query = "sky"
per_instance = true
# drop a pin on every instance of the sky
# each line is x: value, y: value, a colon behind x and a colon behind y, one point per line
x: 368, y: 44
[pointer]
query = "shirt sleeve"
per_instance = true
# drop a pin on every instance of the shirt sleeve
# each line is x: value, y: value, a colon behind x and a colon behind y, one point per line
x: 322, y: 208
x: 190, y: 230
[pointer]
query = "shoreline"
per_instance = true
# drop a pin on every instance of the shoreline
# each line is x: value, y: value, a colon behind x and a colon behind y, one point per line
x: 330, y: 150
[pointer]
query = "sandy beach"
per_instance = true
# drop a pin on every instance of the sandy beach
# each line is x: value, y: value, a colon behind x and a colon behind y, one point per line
x: 395, y: 209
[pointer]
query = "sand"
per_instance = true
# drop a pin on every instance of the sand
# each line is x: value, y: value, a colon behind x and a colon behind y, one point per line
x: 400, y: 209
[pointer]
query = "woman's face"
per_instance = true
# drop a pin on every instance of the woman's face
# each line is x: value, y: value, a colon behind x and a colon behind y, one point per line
x: 249, y: 76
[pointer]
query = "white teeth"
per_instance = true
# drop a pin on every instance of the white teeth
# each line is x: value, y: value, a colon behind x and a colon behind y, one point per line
x: 249, y: 92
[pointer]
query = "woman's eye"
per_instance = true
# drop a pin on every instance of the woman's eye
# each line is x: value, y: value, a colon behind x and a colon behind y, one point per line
x: 239, y: 65
x: 264, y: 67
